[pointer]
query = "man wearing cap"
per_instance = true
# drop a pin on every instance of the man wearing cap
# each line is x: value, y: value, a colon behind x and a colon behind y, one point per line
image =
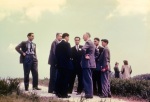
x: 105, y: 69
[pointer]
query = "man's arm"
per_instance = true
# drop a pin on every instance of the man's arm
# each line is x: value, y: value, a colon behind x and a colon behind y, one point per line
x: 106, y: 55
x: 18, y: 48
x: 85, y: 47
x: 52, y: 49
x: 35, y: 51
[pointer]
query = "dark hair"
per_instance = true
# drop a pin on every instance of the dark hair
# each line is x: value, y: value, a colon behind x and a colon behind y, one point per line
x: 58, y: 34
x: 29, y: 34
x: 65, y: 35
x: 77, y: 37
x: 97, y: 39
x: 116, y: 63
x: 125, y: 62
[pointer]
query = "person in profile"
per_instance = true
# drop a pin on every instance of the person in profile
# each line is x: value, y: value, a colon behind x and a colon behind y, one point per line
x: 116, y: 69
x: 88, y: 64
x: 52, y: 62
x: 126, y: 70
x: 105, y: 70
x: 64, y: 66
x: 76, y: 59
x: 27, y: 51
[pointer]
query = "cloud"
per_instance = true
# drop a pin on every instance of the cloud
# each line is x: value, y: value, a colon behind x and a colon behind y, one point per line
x: 131, y: 7
x: 32, y: 9
x: 11, y: 48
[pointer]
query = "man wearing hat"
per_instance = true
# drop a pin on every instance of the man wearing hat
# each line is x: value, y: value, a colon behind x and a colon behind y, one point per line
x: 105, y: 69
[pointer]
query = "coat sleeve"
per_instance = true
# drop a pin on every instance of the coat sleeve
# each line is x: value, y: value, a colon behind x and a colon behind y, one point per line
x: 85, y: 47
x: 69, y: 51
x: 53, y: 48
x: 106, y: 55
x: 35, y: 51
x: 18, y: 48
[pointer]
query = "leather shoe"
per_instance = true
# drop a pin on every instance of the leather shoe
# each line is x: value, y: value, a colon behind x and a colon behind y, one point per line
x: 36, y: 88
x: 88, y: 97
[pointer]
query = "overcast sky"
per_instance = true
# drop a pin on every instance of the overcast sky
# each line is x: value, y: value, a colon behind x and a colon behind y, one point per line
x: 125, y: 23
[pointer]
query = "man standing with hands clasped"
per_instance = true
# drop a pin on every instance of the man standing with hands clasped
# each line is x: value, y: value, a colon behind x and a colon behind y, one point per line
x: 105, y: 69
x: 27, y: 50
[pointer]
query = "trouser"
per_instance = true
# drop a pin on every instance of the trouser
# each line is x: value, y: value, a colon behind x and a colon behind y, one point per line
x: 77, y: 72
x: 105, y: 84
x: 62, y: 82
x: 87, y: 81
x: 97, y: 82
x: 52, y: 80
x: 30, y: 63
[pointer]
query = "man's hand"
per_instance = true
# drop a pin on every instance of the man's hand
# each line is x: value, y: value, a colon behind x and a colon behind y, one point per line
x: 87, y: 56
x: 24, y: 54
x: 103, y: 70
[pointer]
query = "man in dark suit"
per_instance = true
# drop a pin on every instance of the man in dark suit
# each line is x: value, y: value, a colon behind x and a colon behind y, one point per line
x: 97, y: 72
x: 52, y: 63
x: 64, y: 66
x: 76, y: 57
x: 27, y: 51
x: 105, y: 69
x: 88, y: 63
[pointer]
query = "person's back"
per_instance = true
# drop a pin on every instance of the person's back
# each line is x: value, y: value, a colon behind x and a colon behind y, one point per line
x: 63, y: 54
x: 116, y: 69
x: 126, y: 71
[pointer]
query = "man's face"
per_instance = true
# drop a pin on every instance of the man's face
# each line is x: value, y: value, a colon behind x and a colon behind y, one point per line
x: 77, y: 41
x: 67, y: 38
x: 31, y: 38
x: 96, y: 42
x: 85, y: 37
x: 59, y: 37
x: 103, y: 44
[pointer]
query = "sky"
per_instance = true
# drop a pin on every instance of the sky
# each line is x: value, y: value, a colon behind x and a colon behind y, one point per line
x: 125, y: 23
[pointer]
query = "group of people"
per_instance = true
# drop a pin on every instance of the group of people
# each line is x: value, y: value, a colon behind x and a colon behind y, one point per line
x: 125, y: 72
x: 89, y: 62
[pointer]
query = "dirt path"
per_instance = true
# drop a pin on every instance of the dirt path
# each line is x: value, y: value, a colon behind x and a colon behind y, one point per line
x: 74, y: 98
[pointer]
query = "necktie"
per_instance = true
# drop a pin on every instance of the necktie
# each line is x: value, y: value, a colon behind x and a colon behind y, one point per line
x: 31, y: 47
x: 77, y: 47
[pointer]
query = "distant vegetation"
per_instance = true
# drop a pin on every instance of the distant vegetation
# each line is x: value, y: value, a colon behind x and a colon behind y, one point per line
x: 142, y: 77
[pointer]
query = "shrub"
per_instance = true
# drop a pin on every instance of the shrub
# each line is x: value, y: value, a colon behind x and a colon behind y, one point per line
x: 139, y: 88
x: 8, y: 86
x: 142, y: 77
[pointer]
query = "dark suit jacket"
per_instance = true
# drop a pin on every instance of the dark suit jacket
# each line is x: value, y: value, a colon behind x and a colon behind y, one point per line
x: 88, y: 48
x: 76, y: 57
x: 52, y: 57
x: 63, y: 55
x: 100, y: 50
x: 22, y: 48
x: 104, y: 59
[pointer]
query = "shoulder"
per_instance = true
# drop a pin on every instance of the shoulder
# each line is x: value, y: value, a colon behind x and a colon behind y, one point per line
x: 73, y: 47
x: 80, y: 46
x: 23, y: 43
x: 100, y: 47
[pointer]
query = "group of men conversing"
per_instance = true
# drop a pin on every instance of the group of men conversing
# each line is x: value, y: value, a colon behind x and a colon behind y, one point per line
x: 90, y: 63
